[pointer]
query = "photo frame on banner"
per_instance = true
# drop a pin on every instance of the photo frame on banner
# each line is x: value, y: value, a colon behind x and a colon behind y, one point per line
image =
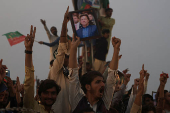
x: 85, y: 24
x: 96, y: 4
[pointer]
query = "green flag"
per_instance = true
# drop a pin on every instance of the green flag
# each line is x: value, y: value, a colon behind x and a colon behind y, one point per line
x: 14, y: 37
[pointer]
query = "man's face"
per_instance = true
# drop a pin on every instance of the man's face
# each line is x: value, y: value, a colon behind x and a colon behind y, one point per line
x: 54, y: 31
x: 148, y: 101
x: 48, y: 97
x: 90, y: 17
x: 75, y: 19
x: 106, y: 35
x: 109, y: 13
x: 167, y: 97
x: 88, y: 67
x: 84, y: 21
x: 97, y: 87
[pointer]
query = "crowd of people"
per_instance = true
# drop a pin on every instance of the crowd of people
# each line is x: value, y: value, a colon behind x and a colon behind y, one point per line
x: 74, y: 85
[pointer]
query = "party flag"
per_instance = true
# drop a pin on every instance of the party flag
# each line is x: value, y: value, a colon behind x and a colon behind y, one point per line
x: 14, y: 37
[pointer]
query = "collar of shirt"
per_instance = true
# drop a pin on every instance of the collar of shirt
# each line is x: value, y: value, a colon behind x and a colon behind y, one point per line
x: 42, y: 106
x: 94, y: 107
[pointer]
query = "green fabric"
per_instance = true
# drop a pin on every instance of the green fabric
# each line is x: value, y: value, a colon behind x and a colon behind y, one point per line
x: 105, y: 3
x: 12, y: 34
x: 83, y: 5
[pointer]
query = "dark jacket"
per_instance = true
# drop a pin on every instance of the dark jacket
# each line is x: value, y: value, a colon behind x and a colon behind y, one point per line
x: 101, y: 49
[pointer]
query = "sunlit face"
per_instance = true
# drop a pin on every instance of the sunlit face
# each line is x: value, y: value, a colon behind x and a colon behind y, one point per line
x: 84, y: 21
x: 90, y: 17
x: 97, y: 87
x: 75, y: 19
x: 167, y: 98
x: 48, y: 97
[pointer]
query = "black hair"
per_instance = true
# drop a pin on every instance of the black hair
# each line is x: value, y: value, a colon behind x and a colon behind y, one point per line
x: 53, y: 27
x: 51, y: 62
x: 108, y: 9
x: 105, y: 31
x: 87, y: 63
x: 88, y: 78
x: 85, y: 15
x: 146, y: 96
x: 147, y: 108
x: 165, y: 91
x: 48, y: 84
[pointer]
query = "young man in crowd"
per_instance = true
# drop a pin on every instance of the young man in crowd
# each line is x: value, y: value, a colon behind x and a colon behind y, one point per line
x: 48, y: 89
x: 147, y: 99
x: 59, y: 71
x: 167, y: 101
x: 107, y: 22
x: 52, y: 37
x: 97, y: 95
x: 101, y: 51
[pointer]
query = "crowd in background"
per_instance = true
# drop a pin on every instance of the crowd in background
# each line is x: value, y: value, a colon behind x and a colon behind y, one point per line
x: 77, y: 86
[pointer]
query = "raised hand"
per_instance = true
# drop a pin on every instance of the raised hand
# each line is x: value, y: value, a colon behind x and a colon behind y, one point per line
x: 142, y: 72
x: 136, y: 81
x: 2, y: 71
x: 75, y: 42
x: 19, y: 87
x: 9, y: 82
x: 147, y: 76
x: 29, y: 40
x: 120, y: 56
x: 116, y: 42
x: 127, y: 78
x: 163, y: 79
x: 66, y: 16
x: 125, y: 71
x: 43, y: 22
x: 40, y: 42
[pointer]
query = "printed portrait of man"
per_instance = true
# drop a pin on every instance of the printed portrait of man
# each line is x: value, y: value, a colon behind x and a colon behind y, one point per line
x: 88, y: 29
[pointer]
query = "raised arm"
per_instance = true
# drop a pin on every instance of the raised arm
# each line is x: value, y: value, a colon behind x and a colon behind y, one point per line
x: 75, y: 91
x: 46, y: 29
x: 2, y: 71
x: 118, y: 95
x: 111, y: 79
x: 133, y: 95
x: 29, y: 70
x: 136, y: 108
x: 62, y: 50
x: 163, y: 80
x: 50, y: 44
x: 114, y: 62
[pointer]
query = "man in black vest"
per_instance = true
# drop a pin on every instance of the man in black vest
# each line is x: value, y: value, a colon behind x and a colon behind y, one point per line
x: 97, y: 94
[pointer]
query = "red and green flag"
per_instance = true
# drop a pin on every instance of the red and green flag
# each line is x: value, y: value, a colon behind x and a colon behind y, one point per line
x: 85, y: 6
x: 14, y: 37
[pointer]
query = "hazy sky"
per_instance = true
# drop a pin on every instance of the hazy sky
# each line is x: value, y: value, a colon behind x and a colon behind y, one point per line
x: 143, y: 26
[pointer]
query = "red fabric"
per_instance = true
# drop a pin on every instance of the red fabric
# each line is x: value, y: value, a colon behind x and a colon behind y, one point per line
x: 87, y: 6
x: 163, y: 74
x: 16, y: 40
